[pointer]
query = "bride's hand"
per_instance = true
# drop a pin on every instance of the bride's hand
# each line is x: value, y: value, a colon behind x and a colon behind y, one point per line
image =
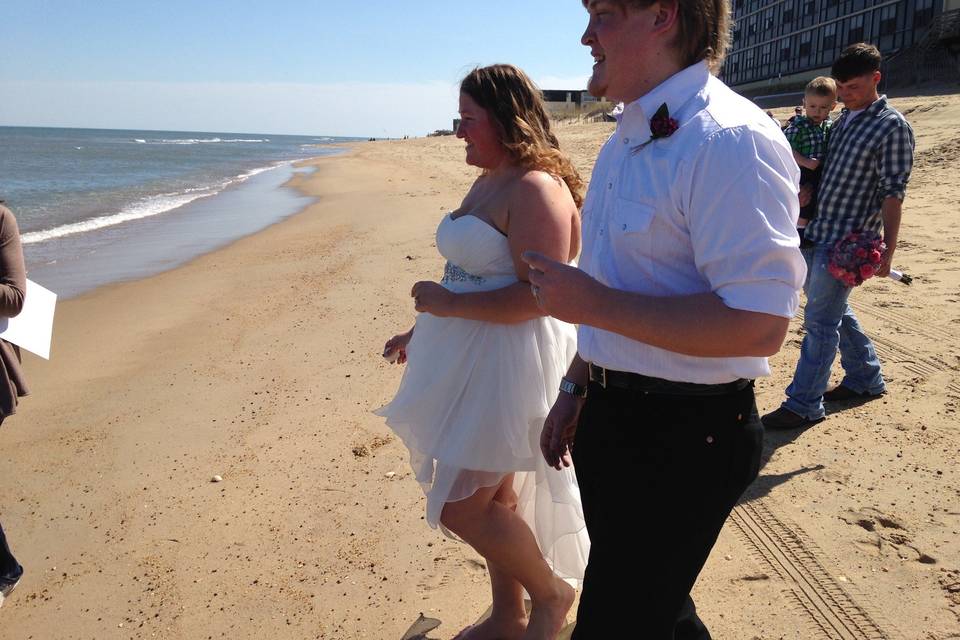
x: 556, y: 438
x: 395, y: 350
x: 432, y: 298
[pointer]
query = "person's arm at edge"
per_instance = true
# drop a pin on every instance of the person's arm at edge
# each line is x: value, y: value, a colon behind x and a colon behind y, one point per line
x: 13, y: 282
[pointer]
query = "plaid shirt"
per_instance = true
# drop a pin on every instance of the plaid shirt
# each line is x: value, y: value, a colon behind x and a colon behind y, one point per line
x: 869, y: 160
x: 808, y: 139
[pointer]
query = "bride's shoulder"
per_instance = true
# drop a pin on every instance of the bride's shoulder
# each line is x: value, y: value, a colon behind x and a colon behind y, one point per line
x: 538, y: 184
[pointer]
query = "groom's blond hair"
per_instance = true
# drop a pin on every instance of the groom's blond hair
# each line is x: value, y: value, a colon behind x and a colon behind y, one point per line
x: 703, y: 28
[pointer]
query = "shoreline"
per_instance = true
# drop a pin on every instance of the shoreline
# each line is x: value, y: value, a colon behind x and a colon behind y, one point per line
x: 140, y: 248
x: 260, y: 362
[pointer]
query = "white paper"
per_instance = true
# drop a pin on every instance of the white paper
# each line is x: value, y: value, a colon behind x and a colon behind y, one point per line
x: 32, y: 329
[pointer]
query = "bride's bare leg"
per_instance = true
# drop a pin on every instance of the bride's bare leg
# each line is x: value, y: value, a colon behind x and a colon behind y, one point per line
x: 504, y: 539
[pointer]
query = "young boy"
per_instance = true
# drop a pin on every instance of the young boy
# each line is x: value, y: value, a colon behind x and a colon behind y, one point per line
x: 808, y: 137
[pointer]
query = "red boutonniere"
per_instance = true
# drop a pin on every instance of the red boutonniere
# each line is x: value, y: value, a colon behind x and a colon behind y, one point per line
x: 661, y: 126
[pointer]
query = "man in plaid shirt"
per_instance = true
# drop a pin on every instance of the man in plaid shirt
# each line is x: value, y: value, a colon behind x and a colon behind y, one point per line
x: 863, y: 185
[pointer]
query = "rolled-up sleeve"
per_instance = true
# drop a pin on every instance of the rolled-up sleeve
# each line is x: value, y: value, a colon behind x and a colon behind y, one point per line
x: 742, y: 214
x: 895, y: 161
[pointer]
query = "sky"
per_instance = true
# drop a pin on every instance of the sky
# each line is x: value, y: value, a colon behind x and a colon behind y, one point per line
x: 315, y: 67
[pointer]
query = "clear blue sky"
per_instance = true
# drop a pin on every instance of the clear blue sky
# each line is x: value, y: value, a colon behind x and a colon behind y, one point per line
x: 315, y: 67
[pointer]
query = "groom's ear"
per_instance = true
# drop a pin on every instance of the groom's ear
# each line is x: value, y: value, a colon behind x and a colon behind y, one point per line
x: 665, y: 17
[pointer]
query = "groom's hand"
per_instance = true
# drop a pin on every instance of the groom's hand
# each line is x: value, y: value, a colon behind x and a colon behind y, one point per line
x: 556, y: 438
x: 561, y: 291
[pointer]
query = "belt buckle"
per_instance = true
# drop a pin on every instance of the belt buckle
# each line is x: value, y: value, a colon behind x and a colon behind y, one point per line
x: 603, y: 376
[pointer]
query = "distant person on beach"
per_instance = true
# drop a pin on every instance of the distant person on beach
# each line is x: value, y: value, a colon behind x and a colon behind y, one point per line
x: 484, y: 364
x: 863, y: 185
x: 797, y: 113
x: 13, y: 385
x: 691, y: 272
x: 808, y: 137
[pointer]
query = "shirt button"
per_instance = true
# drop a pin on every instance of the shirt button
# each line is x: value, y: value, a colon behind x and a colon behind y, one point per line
x: 709, y: 439
x: 609, y: 185
x: 626, y: 141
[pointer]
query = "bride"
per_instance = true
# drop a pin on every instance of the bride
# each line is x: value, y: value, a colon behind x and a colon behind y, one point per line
x: 484, y: 365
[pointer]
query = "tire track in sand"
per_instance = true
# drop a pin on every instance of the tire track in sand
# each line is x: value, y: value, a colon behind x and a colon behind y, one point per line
x: 818, y: 596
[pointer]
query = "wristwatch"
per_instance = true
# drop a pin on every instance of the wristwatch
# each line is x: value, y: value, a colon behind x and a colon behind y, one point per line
x: 571, y: 387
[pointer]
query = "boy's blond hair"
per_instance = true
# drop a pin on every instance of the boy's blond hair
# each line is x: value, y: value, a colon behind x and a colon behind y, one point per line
x: 822, y: 86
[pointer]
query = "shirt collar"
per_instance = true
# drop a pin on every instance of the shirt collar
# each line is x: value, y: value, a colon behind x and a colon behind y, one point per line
x: 876, y: 107
x: 675, y: 91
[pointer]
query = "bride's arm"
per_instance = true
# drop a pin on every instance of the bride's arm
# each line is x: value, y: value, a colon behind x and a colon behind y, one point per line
x: 541, y: 215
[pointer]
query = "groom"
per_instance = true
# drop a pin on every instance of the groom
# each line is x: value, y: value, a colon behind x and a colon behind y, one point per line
x: 690, y: 273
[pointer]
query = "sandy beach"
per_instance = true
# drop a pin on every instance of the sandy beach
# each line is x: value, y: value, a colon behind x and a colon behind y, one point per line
x: 260, y: 363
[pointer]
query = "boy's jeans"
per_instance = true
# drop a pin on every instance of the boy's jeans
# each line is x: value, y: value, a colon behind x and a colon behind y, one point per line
x: 829, y: 322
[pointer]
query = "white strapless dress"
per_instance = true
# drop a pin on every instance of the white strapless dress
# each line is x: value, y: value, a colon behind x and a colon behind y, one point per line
x: 474, y: 397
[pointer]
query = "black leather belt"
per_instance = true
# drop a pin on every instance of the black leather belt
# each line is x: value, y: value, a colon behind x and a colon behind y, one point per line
x: 637, y: 382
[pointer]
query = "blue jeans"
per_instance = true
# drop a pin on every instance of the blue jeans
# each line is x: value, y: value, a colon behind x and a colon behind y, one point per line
x: 829, y: 323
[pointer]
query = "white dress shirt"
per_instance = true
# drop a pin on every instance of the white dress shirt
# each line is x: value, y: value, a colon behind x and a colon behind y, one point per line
x: 712, y: 207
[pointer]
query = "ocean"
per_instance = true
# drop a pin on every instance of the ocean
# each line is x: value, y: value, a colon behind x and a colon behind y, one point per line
x: 100, y: 206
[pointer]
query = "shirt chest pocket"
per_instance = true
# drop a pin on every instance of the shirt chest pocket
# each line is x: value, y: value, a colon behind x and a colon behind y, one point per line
x: 631, y: 238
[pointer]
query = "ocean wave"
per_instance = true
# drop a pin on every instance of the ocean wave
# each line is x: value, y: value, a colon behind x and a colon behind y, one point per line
x: 144, y: 208
x: 199, y: 140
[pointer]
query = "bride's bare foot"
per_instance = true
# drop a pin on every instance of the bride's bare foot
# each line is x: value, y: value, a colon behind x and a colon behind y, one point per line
x: 491, y: 629
x: 549, y: 614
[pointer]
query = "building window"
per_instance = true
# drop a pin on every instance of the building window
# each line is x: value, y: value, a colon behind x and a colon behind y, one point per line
x: 788, y: 13
x: 830, y: 36
x: 752, y: 26
x: 805, y: 45
x: 923, y: 16
x: 808, y: 8
x: 785, y: 50
x: 888, y: 20
x: 855, y: 29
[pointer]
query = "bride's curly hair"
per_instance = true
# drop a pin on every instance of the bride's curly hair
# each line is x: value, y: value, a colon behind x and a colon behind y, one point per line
x: 516, y: 106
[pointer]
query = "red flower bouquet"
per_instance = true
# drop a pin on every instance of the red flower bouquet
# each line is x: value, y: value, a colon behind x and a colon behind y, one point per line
x: 856, y: 257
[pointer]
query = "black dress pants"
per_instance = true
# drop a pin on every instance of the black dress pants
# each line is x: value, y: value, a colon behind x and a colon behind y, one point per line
x: 658, y: 475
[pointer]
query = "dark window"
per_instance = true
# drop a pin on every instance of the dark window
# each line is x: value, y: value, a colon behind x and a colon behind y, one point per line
x: 808, y: 9
x: 787, y: 15
x: 738, y: 5
x: 785, y: 52
x: 805, y: 45
x: 855, y: 29
x: 830, y: 36
x: 888, y: 20
x: 765, y: 55
x: 923, y: 13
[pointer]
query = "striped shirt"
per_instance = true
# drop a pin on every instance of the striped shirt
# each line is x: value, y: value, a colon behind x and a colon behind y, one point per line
x: 869, y: 159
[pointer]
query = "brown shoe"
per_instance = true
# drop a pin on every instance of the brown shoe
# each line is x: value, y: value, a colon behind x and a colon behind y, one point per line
x: 841, y: 393
x: 783, y: 420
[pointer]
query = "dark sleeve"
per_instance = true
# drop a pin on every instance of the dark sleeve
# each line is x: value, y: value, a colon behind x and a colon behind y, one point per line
x: 13, y: 272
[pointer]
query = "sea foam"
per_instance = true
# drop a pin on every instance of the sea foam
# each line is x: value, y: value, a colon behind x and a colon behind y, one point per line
x: 145, y: 208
